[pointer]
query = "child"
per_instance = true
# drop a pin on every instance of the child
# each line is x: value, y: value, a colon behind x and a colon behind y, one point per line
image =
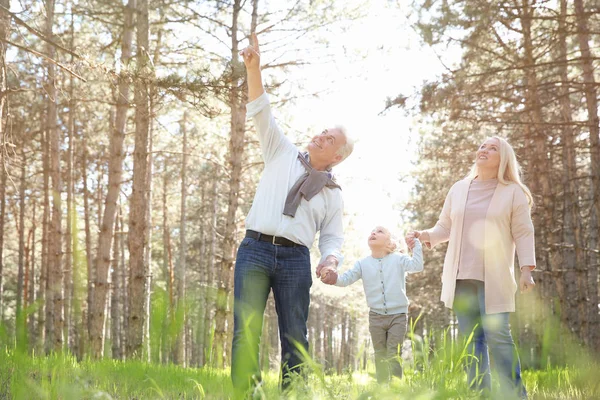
x: 384, y: 280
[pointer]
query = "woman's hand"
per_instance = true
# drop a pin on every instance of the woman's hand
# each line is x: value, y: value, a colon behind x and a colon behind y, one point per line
x: 526, y: 282
x: 411, y: 236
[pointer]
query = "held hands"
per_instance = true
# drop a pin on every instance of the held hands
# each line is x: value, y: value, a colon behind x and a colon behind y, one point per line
x: 251, y: 54
x: 526, y: 282
x: 327, y: 270
x: 410, y: 238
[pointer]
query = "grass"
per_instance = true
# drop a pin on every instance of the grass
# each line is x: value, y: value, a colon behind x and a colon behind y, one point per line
x: 435, y: 371
x: 62, y: 377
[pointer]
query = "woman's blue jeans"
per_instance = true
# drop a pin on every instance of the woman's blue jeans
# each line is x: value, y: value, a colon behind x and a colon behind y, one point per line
x: 490, y: 331
x: 261, y: 267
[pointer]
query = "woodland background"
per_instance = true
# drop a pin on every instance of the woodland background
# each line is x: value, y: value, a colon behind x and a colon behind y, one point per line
x: 128, y: 165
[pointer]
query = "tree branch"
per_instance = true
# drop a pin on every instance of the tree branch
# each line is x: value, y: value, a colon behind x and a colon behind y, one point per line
x: 39, y: 34
x: 45, y: 57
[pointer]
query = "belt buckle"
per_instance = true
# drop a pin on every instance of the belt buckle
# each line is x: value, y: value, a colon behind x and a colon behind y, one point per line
x: 273, y: 241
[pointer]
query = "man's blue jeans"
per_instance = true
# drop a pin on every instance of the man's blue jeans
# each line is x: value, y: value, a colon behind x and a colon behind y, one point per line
x: 261, y: 266
x: 489, y: 331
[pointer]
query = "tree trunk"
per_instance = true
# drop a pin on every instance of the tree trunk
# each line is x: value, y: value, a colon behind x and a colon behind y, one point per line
x: 342, y: 356
x: 70, y: 332
x: 270, y: 342
x: 590, y: 318
x: 54, y: 311
x: 71, y: 313
x: 539, y: 167
x: 273, y: 337
x: 572, y: 252
x: 31, y: 291
x: 165, y: 226
x: 312, y: 333
x: 42, y: 295
x: 172, y: 309
x: 21, y: 229
x: 198, y: 360
x: 352, y: 335
x: 101, y: 160
x: 210, y: 279
x: 26, y: 282
x: 115, y: 298
x: 139, y: 196
x: 319, y: 339
x: 123, y: 285
x: 330, y: 312
x: 148, y: 240
x: 181, y: 270
x: 88, y: 234
x: 79, y: 290
x: 265, y: 351
x: 4, y: 33
x: 153, y: 94
x: 115, y: 172
x: 189, y: 343
x: 237, y: 100
x: 2, y: 218
x: 167, y: 265
x: 229, y: 322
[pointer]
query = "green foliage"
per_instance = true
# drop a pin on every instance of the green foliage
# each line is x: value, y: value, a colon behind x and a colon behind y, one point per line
x: 62, y: 377
x: 435, y: 371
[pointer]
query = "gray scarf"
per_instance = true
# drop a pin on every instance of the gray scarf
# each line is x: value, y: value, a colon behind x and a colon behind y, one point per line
x: 308, y: 185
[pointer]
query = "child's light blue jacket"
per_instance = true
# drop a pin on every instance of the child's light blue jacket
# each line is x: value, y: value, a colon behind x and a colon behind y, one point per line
x: 384, y: 279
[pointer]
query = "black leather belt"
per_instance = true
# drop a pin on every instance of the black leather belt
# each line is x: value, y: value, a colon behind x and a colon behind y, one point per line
x: 276, y: 240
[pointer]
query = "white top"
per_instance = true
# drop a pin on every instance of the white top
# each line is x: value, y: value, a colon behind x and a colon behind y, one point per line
x: 282, y: 170
x: 472, y: 246
x: 384, y: 279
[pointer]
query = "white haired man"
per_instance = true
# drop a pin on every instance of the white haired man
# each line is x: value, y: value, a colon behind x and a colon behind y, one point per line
x: 295, y: 198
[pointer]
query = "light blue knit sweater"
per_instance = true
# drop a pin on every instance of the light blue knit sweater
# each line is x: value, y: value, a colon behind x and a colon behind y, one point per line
x: 384, y: 279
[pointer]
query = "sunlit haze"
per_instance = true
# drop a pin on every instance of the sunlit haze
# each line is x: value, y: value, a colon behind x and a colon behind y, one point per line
x: 376, y: 179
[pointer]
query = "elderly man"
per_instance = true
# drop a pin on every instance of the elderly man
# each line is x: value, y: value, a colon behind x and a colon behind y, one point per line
x: 296, y: 197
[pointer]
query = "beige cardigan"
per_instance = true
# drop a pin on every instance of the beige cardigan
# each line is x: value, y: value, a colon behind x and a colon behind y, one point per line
x: 508, y: 225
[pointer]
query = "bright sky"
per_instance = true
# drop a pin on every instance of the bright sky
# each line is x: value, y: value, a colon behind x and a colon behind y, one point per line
x: 395, y: 63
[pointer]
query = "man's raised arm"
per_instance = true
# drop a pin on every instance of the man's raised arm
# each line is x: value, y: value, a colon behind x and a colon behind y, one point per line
x: 251, y: 55
x: 271, y: 138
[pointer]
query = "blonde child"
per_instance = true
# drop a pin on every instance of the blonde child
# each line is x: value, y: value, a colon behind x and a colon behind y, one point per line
x: 383, y: 275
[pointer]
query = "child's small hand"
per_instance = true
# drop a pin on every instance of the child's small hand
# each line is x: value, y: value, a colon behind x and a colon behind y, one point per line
x: 410, y: 239
x: 329, y: 275
x: 327, y: 270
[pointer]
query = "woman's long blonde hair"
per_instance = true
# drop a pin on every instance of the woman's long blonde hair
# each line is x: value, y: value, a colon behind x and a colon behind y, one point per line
x: 509, y: 169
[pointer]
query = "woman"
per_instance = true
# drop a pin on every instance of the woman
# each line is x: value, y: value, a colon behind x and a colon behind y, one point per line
x: 484, y: 218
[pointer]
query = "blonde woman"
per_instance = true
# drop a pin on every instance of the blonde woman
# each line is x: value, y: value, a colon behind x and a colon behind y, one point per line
x: 485, y: 217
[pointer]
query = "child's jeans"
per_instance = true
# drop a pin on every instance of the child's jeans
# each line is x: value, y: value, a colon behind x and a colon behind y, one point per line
x: 387, y: 334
